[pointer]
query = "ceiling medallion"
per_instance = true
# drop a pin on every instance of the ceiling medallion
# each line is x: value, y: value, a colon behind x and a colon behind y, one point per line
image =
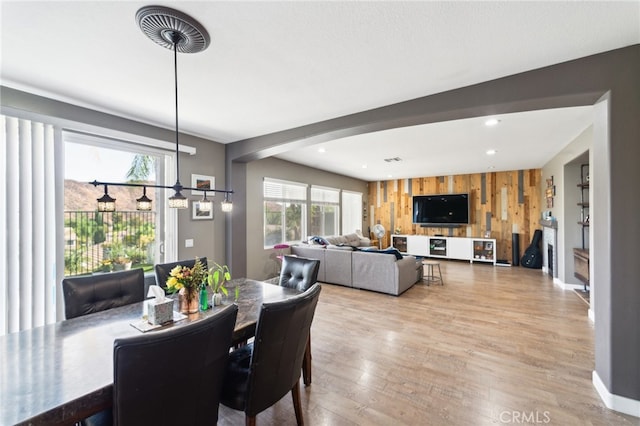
x: 166, y: 27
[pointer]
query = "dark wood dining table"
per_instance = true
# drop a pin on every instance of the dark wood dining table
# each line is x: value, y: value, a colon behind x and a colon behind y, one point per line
x: 63, y: 372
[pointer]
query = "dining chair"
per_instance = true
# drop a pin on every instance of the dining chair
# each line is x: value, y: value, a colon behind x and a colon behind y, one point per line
x: 163, y: 270
x: 300, y: 273
x: 94, y: 293
x: 186, y: 393
x: 260, y: 373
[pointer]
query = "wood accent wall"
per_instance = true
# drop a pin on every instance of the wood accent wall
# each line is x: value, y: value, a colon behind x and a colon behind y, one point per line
x: 501, y: 202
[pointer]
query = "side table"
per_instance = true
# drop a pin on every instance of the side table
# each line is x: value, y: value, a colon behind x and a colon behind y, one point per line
x: 430, y: 276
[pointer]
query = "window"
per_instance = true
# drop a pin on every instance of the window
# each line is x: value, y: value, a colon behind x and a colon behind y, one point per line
x: 41, y: 244
x: 284, y: 211
x: 108, y: 241
x: 325, y: 211
x: 351, y: 211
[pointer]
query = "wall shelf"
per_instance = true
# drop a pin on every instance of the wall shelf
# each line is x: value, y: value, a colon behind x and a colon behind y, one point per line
x: 581, y: 255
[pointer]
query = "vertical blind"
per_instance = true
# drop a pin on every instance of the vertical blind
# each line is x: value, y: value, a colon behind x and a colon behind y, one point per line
x: 28, y: 218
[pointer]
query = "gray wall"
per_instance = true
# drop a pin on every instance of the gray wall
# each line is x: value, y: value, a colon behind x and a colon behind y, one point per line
x: 208, y: 235
x: 610, y: 82
x: 564, y: 204
x: 263, y: 264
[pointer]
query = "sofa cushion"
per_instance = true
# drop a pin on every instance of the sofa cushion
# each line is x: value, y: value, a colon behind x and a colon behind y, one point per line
x: 382, y: 272
x: 338, y: 267
x: 352, y: 240
x: 335, y: 239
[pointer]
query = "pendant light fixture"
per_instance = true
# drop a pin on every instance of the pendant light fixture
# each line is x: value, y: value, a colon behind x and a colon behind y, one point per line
x: 172, y: 29
x: 143, y: 203
x: 106, y: 203
x: 226, y: 205
x: 181, y: 33
x: 205, y: 204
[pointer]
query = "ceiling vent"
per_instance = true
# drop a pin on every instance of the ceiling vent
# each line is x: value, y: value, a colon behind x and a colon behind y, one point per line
x: 394, y: 159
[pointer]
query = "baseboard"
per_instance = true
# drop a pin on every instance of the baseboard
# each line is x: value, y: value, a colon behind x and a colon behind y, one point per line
x: 615, y: 402
x: 566, y: 286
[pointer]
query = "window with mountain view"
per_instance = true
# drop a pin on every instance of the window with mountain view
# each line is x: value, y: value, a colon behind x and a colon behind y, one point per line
x: 109, y: 241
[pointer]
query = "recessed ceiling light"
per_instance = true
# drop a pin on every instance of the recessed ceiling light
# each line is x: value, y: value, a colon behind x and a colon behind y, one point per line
x: 491, y: 122
x: 322, y: 150
x: 491, y: 167
x: 389, y: 175
x: 491, y: 152
x: 364, y: 166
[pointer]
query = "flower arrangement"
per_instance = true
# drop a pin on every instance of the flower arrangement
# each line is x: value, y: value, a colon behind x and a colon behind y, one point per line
x: 191, y: 279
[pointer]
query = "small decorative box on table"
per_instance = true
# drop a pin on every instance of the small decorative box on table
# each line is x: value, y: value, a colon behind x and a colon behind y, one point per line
x: 160, y: 313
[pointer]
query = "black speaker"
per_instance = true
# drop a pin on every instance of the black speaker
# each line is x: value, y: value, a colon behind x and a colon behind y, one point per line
x: 515, y: 249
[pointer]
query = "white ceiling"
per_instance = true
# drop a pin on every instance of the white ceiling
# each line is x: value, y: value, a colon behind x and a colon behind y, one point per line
x: 273, y: 66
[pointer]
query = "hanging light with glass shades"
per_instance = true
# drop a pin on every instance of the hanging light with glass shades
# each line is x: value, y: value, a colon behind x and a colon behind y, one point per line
x: 179, y: 32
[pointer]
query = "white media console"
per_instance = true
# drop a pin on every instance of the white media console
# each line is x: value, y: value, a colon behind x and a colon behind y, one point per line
x: 459, y: 248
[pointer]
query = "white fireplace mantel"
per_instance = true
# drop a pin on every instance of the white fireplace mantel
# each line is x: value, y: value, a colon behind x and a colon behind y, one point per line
x: 550, y: 239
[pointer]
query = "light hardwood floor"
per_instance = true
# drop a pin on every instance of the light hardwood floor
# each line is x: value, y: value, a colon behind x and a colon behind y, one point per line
x: 494, y: 345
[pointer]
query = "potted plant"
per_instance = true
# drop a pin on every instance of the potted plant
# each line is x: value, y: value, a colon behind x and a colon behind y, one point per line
x: 118, y: 257
x: 105, y: 266
x: 218, y: 276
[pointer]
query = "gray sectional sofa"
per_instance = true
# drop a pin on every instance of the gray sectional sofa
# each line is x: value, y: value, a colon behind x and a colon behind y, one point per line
x: 342, y: 264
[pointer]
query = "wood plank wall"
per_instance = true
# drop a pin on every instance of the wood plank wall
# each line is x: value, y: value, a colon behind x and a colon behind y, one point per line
x: 501, y: 202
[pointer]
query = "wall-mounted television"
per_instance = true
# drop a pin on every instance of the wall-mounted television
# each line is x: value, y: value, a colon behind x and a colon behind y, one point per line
x: 441, y: 209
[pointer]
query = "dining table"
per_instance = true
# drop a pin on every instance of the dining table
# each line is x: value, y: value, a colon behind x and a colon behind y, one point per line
x: 61, y: 373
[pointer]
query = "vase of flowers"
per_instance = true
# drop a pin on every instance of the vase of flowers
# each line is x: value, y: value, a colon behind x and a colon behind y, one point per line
x: 189, y: 301
x: 187, y: 282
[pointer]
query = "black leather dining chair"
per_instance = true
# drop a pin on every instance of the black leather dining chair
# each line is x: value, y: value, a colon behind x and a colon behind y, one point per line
x: 95, y: 293
x: 262, y: 372
x: 163, y: 270
x: 188, y: 392
x: 300, y: 273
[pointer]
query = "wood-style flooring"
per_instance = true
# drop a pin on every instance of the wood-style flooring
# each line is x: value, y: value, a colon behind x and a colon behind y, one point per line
x: 494, y: 345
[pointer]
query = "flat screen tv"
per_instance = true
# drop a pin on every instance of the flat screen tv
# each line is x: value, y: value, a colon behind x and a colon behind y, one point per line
x: 441, y: 210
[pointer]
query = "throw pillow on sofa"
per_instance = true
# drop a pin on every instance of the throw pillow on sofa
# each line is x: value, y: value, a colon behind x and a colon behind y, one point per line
x: 393, y: 251
x: 318, y: 240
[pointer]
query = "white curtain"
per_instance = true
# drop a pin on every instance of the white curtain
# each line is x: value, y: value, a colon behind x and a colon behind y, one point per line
x: 28, y: 223
x: 352, y: 212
